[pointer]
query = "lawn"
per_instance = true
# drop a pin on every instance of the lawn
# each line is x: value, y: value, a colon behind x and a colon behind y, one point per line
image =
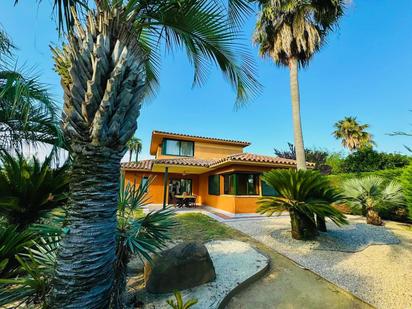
x: 195, y: 226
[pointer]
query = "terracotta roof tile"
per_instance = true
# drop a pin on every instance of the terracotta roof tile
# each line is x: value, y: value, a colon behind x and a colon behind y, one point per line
x: 203, y: 137
x: 240, y: 157
x: 141, y: 165
x: 185, y: 161
x: 249, y: 157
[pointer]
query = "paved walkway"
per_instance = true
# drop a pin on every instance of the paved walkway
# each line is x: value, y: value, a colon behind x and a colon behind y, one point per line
x: 380, y: 274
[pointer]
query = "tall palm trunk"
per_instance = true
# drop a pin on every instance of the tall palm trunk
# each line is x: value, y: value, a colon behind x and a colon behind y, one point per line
x: 84, y: 272
x: 103, y: 77
x: 137, y: 156
x: 297, y: 126
x: 130, y: 155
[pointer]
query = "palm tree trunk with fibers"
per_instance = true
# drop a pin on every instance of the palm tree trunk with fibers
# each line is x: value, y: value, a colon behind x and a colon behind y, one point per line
x: 103, y: 77
x: 297, y: 126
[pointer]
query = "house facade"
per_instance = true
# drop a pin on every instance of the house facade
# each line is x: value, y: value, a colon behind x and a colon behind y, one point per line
x: 217, y: 171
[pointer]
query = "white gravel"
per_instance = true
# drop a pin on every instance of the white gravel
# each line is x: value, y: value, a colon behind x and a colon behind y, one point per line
x: 234, y: 263
x: 375, y: 263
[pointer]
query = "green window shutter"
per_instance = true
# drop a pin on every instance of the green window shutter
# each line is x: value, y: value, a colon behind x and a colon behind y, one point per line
x: 267, y: 190
x: 214, y: 185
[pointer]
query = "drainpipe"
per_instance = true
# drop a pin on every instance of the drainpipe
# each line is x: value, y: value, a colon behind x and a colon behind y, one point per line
x: 165, y: 178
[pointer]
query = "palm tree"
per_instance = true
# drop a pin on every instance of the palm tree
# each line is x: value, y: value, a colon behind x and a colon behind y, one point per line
x: 291, y: 32
x: 353, y: 134
x: 107, y: 68
x: 27, y: 112
x: 370, y: 194
x: 134, y: 145
x: 303, y: 194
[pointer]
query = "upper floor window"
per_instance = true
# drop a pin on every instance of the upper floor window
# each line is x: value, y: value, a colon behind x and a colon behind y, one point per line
x: 173, y: 147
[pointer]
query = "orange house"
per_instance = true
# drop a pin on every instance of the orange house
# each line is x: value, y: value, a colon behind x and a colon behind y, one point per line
x: 217, y: 171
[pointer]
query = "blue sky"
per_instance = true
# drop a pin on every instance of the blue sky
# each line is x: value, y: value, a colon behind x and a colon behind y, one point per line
x: 365, y: 70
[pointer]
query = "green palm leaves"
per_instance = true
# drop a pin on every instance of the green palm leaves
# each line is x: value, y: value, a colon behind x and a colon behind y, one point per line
x: 303, y: 194
x: 179, y: 304
x: 371, y: 194
x: 134, y: 145
x: 28, y: 189
x: 353, y: 134
x: 294, y: 29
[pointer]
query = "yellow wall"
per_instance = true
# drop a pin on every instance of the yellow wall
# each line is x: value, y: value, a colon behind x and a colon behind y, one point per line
x: 230, y: 203
x: 206, y: 150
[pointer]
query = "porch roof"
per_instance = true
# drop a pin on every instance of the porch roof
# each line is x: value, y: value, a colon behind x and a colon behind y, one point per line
x: 193, y: 165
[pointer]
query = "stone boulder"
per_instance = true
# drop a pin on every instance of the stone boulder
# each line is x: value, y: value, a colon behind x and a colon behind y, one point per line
x: 182, y: 267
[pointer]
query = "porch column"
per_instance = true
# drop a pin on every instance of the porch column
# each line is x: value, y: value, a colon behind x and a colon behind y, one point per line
x: 165, y: 180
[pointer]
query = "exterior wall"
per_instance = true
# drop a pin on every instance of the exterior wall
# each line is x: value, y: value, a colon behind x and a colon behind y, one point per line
x: 236, y: 204
x: 155, y: 190
x: 206, y: 150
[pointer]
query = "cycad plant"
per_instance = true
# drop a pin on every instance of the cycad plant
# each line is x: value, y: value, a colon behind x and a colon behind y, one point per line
x: 137, y: 234
x: 179, y: 303
x: 353, y: 134
x: 304, y: 194
x: 371, y: 194
x: 291, y: 32
x: 30, y: 188
x: 107, y: 68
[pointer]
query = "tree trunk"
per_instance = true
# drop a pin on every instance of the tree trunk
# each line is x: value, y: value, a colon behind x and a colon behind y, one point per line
x: 372, y: 217
x: 297, y: 126
x: 130, y: 155
x: 303, y: 228
x: 118, y: 300
x: 84, y: 270
x: 137, y: 156
x: 321, y: 223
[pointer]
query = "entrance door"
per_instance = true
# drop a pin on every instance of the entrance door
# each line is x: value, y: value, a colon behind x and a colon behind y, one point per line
x: 178, y: 187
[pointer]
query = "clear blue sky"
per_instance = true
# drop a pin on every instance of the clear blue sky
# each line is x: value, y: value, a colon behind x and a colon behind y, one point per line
x: 365, y: 70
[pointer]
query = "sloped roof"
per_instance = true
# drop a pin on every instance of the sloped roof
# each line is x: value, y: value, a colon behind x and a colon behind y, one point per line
x: 230, y: 141
x: 250, y: 157
x: 146, y: 165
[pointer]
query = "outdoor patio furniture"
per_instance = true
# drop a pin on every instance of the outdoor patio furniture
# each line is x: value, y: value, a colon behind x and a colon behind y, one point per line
x: 185, y: 200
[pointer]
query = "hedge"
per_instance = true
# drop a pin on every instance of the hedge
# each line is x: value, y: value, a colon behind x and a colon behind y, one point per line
x: 397, y: 213
x: 388, y: 174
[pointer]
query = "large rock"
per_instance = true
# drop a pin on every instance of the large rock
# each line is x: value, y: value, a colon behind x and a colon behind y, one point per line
x: 182, y: 267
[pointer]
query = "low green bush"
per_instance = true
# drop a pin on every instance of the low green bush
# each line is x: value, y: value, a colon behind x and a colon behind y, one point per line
x: 398, y: 213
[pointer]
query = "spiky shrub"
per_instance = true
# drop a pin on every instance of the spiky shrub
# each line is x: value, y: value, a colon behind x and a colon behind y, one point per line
x: 371, y: 195
x: 178, y: 303
x: 137, y: 234
x: 106, y: 70
x: 406, y: 182
x: 30, y: 188
x: 304, y: 194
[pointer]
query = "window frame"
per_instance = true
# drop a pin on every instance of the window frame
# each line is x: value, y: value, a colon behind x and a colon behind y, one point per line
x: 164, y: 147
x: 217, y: 192
x: 146, y: 179
x: 236, y: 183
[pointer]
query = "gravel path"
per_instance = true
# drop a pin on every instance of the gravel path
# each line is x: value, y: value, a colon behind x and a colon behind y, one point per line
x: 234, y: 262
x: 374, y: 263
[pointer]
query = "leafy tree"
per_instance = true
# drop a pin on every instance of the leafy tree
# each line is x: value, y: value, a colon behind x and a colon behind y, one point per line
x: 29, y: 189
x: 134, y: 145
x: 353, y: 134
x: 291, y: 32
x: 137, y: 234
x: 370, y: 194
x: 107, y: 68
x: 335, y: 161
x: 368, y: 159
x: 312, y: 155
x: 303, y: 194
x: 406, y: 181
